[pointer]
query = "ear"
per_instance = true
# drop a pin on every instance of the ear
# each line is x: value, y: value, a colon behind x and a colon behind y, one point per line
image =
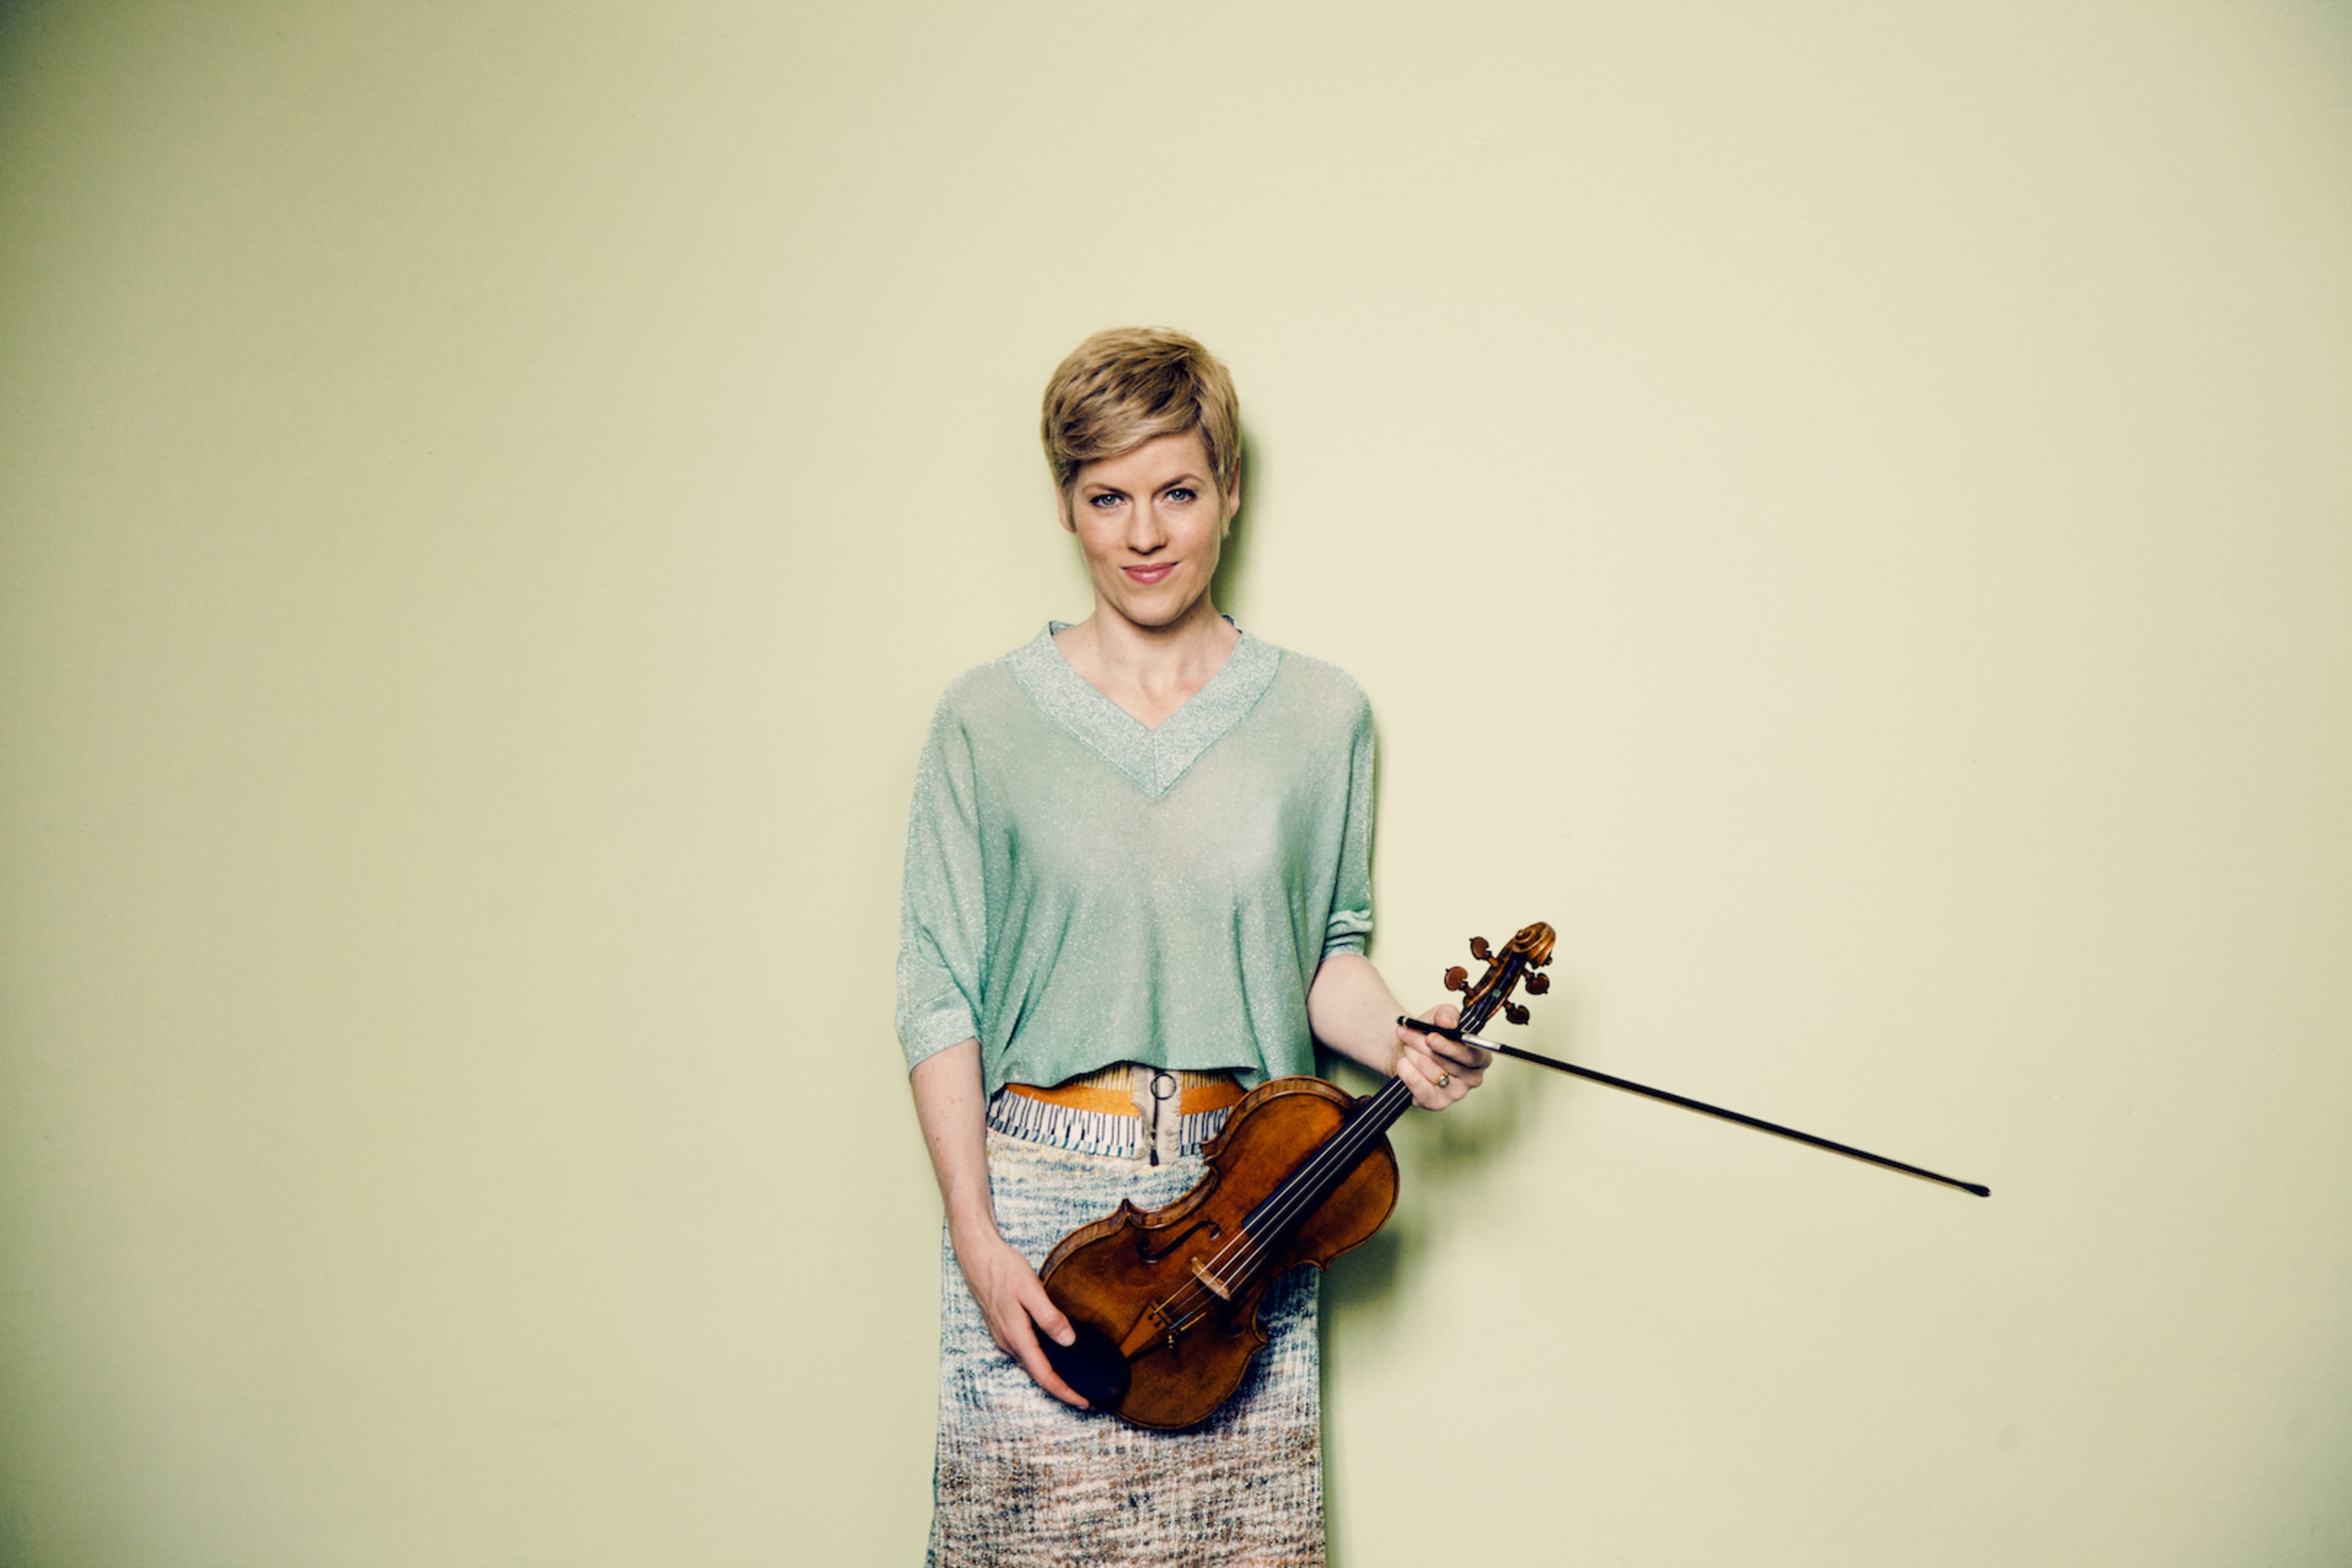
x: 1062, y: 510
x: 1232, y: 498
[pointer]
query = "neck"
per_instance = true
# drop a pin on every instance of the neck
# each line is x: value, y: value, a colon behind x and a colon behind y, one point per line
x: 1199, y: 636
x: 1150, y: 671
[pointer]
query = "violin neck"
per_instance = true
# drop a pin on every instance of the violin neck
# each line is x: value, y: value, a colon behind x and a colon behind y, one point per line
x: 1301, y: 1193
x: 1377, y: 1114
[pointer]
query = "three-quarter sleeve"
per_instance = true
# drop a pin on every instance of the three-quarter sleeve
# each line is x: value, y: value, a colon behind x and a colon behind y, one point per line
x: 943, y: 909
x: 1351, y: 925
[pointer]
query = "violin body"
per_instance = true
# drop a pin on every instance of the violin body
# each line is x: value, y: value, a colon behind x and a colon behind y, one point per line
x: 1165, y: 1300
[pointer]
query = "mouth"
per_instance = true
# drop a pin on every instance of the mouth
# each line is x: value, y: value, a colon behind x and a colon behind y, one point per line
x: 1151, y: 571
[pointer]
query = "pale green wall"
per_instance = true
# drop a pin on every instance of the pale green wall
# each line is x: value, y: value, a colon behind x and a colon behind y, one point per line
x: 1843, y: 510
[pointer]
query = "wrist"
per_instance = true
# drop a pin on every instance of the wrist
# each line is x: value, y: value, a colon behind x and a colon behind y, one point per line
x: 970, y: 1232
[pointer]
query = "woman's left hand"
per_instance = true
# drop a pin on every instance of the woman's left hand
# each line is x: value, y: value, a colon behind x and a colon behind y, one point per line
x: 1439, y: 1072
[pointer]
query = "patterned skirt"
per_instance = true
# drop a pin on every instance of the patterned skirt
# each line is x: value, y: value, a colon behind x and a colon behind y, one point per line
x: 1023, y: 1479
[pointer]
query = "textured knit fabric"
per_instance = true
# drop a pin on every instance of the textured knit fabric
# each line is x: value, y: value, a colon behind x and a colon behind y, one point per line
x: 1022, y: 1480
x: 1081, y: 889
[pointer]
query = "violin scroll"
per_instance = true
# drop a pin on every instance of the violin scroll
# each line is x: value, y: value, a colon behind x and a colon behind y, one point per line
x: 1524, y: 954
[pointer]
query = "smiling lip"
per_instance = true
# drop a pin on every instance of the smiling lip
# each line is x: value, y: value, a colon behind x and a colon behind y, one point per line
x: 1150, y: 573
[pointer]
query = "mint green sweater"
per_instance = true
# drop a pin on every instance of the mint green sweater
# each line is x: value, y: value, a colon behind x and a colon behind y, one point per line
x: 1081, y: 890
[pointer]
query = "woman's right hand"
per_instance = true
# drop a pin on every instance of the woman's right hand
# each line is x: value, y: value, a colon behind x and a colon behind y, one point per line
x: 1013, y: 1301
x: 954, y: 1113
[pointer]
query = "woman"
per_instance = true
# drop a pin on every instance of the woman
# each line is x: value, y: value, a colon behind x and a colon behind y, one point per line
x: 1137, y: 884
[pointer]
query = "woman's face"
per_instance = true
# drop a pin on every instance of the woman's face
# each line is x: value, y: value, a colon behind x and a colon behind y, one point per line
x: 1150, y: 521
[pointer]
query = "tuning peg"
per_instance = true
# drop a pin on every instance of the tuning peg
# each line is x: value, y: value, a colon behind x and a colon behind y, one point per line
x: 1515, y: 1013
x: 1458, y: 979
x: 1538, y: 983
x: 1479, y: 949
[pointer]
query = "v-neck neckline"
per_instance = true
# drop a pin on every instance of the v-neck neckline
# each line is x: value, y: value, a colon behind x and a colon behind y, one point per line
x: 1152, y: 759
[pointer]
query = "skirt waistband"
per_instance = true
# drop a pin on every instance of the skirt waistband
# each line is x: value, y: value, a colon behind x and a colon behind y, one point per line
x: 1128, y: 1110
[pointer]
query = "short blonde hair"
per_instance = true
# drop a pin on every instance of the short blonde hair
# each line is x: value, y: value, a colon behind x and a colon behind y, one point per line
x: 1131, y: 385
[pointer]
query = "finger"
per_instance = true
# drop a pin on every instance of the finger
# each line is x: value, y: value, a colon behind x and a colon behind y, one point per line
x: 1460, y: 1054
x: 1015, y: 1332
x: 1455, y: 1055
x: 1040, y: 1310
x: 1468, y: 1056
x: 1449, y: 1080
x: 1421, y: 1080
x: 1050, y: 1318
x: 1447, y: 1056
x: 1452, y: 1070
x: 1032, y: 1362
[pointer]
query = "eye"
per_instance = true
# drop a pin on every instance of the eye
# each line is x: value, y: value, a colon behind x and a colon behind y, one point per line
x: 1180, y: 494
x: 1105, y: 501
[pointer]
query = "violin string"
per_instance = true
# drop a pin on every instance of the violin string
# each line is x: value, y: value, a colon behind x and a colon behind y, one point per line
x: 1232, y: 1262
x: 1304, y: 1188
x: 1235, y: 1262
x: 1347, y: 1148
x: 1238, y: 1259
x: 1342, y: 1150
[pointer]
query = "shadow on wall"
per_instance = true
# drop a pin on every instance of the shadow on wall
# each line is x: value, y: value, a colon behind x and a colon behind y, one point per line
x: 1232, y: 559
x: 1447, y: 1165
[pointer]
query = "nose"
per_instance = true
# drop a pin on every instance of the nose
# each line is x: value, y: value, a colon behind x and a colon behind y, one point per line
x: 1146, y: 534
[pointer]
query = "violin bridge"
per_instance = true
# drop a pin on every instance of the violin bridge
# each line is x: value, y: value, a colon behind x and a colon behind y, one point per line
x: 1217, y: 1287
x: 1158, y: 1313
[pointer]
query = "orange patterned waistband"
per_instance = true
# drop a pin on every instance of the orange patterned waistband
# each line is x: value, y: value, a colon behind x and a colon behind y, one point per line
x: 1116, y: 1090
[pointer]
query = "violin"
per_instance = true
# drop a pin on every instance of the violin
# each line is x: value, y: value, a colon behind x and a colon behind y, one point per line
x: 1164, y: 1302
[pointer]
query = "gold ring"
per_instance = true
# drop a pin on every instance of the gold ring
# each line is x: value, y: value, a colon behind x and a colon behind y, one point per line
x: 1442, y: 1079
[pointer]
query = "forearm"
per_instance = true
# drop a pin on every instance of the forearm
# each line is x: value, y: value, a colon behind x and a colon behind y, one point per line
x: 954, y: 1116
x: 1352, y: 1010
